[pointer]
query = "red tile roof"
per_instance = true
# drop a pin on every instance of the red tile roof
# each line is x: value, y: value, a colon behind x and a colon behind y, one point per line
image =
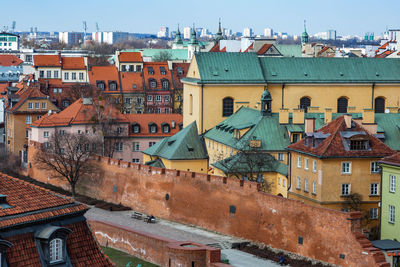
x: 128, y: 79
x: 73, y: 63
x: 9, y: 60
x: 392, y: 160
x: 178, y: 77
x: 31, y: 92
x: 215, y: 48
x: 223, y: 49
x: 157, y: 74
x: 144, y: 119
x: 249, y: 48
x: 76, y: 113
x: 23, y: 252
x: 264, y: 49
x: 130, y: 57
x: 105, y: 74
x: 47, y: 61
x: 333, y: 146
x: 384, y: 54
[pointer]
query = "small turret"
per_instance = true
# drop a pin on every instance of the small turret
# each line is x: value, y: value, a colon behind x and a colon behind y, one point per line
x: 266, y: 101
x: 193, y: 38
x: 178, y: 37
x: 219, y: 36
x: 304, y: 36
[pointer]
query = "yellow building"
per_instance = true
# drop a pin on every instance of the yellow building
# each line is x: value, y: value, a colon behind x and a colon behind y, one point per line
x: 218, y: 84
x: 336, y: 167
x: 183, y: 151
x: 31, y: 105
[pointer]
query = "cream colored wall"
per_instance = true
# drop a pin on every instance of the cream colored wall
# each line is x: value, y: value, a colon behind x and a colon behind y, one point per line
x: 193, y: 71
x: 70, y: 80
x: 187, y: 165
x: 134, y: 66
x: 191, y: 105
x: 37, y: 72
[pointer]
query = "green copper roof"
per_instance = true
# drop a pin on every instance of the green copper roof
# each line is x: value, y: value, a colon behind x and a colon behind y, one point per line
x: 330, y: 70
x: 246, y: 162
x: 289, y: 50
x: 155, y: 163
x: 229, y: 68
x: 184, y: 145
x: 178, y: 37
x: 193, y: 38
x: 176, y: 54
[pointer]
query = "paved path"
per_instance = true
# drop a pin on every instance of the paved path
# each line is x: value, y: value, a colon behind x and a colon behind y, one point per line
x: 182, y: 232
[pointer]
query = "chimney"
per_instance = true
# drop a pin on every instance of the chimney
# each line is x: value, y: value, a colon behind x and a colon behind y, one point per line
x: 327, y: 115
x: 298, y: 116
x: 309, y: 125
x: 368, y: 116
x: 59, y: 57
x: 347, y: 120
x: 284, y: 116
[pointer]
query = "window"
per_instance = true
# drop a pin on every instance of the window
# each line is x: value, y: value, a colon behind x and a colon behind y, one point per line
x: 379, y: 105
x: 138, y: 68
x: 81, y: 76
x: 101, y: 85
x: 305, y: 185
x: 62, y: 132
x: 48, y: 74
x: 65, y: 103
x: 306, y: 163
x: 345, y: 189
x: 305, y: 102
x: 44, y: 105
x: 113, y: 86
x: 180, y: 71
x: 136, y: 161
x: 163, y: 71
x: 346, y: 167
x: 296, y: 137
x: 179, y: 98
x: 158, y: 110
x: 150, y: 70
x: 375, y: 167
x: 165, y: 84
x: 46, y: 134
x: 166, y: 111
x: 359, y: 144
x: 166, y: 98
x: 119, y: 130
x: 119, y: 146
x: 59, y: 90
x: 392, y: 183
x: 38, y: 117
x: 151, y: 144
x: 128, y: 100
x: 227, y: 106
x: 298, y: 186
x: 66, y: 76
x: 26, y: 136
x: 136, y: 128
x: 284, y: 183
x: 149, y: 98
x: 56, y: 74
x: 30, y: 105
x: 37, y: 105
x: 373, y: 213
x: 41, y: 74
x: 123, y: 67
x: 152, y: 83
x: 165, y: 128
x: 153, y: 128
x: 314, y: 187
x: 158, y: 98
x: 73, y: 76
x: 391, y: 214
x: 28, y: 119
x: 136, y: 146
x: 342, y: 105
x: 314, y: 166
x: 298, y: 162
x: 279, y: 180
x: 79, y: 132
x: 281, y: 156
x: 55, y: 90
x: 56, y: 250
x: 374, y: 189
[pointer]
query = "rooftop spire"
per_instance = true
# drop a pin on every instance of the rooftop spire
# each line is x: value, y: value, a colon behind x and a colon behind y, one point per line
x: 178, y: 37
x: 219, y: 35
x: 193, y: 39
x: 304, y: 36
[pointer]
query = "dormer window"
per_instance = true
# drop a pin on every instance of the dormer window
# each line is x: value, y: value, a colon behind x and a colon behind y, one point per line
x: 180, y: 71
x: 165, y: 128
x: 100, y: 85
x: 113, y: 86
x: 165, y: 84
x: 53, y: 241
x: 152, y: 128
x: 152, y: 83
x: 150, y: 70
x: 56, y: 250
x: 163, y: 71
x: 359, y: 144
x: 136, y: 128
x: 4, y: 245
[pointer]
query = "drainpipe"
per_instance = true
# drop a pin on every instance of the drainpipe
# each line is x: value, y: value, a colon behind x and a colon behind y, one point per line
x: 373, y: 95
x: 283, y: 95
x: 202, y: 87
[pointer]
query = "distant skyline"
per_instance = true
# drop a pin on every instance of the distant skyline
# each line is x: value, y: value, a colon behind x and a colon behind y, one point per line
x: 353, y: 17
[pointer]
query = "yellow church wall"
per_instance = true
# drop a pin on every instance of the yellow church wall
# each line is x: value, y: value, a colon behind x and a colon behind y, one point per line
x: 199, y: 165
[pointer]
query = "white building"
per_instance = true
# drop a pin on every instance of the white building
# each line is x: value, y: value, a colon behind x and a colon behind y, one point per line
x: 163, y: 33
x: 268, y: 32
x: 247, y: 32
x: 187, y: 32
x: 70, y: 38
x: 9, y: 42
x: 110, y: 37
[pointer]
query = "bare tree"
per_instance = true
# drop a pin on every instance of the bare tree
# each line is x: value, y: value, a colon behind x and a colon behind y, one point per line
x: 9, y: 163
x: 162, y: 56
x: 68, y: 156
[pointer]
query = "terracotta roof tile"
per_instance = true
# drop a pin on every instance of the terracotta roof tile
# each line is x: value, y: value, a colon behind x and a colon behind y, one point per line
x: 31, y: 92
x: 384, y: 54
x: 47, y: 61
x: 177, y: 76
x: 144, y: 119
x: 23, y: 251
x: 130, y: 57
x: 131, y: 82
x: 157, y: 74
x: 73, y: 63
x: 249, y: 48
x: 332, y: 146
x: 264, y: 49
x: 10, y: 60
x: 105, y: 74
x: 393, y: 159
x: 215, y: 48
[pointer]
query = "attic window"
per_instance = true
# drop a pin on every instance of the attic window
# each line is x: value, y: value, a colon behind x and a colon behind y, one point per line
x: 150, y: 70
x: 136, y: 128
x: 163, y: 71
x: 190, y: 148
x: 359, y: 144
x: 100, y: 85
x: 152, y: 128
x: 53, y: 241
x: 180, y: 71
x: 3, y: 202
x: 112, y: 85
x: 134, y: 86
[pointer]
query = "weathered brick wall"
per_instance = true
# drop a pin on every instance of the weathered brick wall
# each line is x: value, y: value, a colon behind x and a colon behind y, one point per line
x: 231, y: 207
x: 155, y: 249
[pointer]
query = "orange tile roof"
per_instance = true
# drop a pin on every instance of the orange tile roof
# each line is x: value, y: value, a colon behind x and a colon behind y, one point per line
x: 47, y: 61
x: 223, y: 49
x: 248, y: 48
x: 10, y: 60
x: 215, y: 48
x: 177, y: 77
x: 76, y: 113
x: 392, y: 160
x: 104, y: 73
x: 73, y: 63
x: 31, y: 92
x: 157, y: 74
x: 128, y: 79
x: 384, y: 54
x: 144, y: 119
x: 333, y: 145
x: 23, y: 252
x: 264, y: 49
x: 130, y: 57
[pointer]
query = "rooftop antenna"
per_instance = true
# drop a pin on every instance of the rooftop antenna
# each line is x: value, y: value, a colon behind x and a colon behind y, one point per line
x: 97, y: 27
x: 13, y: 26
x: 84, y: 32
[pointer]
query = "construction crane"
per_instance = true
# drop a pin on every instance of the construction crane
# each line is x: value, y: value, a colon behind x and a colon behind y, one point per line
x: 84, y: 32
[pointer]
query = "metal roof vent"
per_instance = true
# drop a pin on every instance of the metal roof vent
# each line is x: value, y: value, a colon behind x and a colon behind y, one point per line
x: 305, y: 74
x: 377, y: 74
x: 273, y: 73
x: 3, y: 202
x: 341, y: 73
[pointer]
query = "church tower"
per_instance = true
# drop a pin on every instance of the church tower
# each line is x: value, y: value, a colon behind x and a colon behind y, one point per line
x: 193, y: 45
x: 178, y: 43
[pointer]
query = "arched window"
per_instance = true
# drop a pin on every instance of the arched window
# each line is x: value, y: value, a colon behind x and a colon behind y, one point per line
x: 227, y: 106
x: 152, y: 83
x: 101, y: 85
x: 165, y: 84
x: 379, y: 105
x: 342, y: 105
x: 56, y: 250
x: 305, y: 102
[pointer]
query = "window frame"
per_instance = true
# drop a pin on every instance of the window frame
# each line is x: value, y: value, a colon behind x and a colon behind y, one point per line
x: 136, y: 146
x: 298, y: 185
x: 392, y: 214
x: 373, y: 213
x: 306, y: 163
x: 375, y: 168
x: 306, y: 185
x: 343, y: 171
x: 58, y: 257
x: 227, y: 106
x: 343, y: 189
x: 314, y: 187
x: 392, y: 183
x: 281, y: 156
x: 374, y: 189
x: 314, y: 165
x: 298, y: 161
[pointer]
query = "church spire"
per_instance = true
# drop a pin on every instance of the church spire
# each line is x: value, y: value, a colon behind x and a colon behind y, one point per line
x: 193, y: 38
x: 178, y: 37
x: 219, y: 35
x: 304, y: 36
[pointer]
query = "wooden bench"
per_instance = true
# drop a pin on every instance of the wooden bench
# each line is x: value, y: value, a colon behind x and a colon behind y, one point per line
x: 137, y: 215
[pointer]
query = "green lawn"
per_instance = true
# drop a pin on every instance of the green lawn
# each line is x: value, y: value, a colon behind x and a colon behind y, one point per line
x: 122, y: 259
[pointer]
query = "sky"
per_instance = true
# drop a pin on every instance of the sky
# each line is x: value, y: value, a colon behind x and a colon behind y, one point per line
x: 354, y: 17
